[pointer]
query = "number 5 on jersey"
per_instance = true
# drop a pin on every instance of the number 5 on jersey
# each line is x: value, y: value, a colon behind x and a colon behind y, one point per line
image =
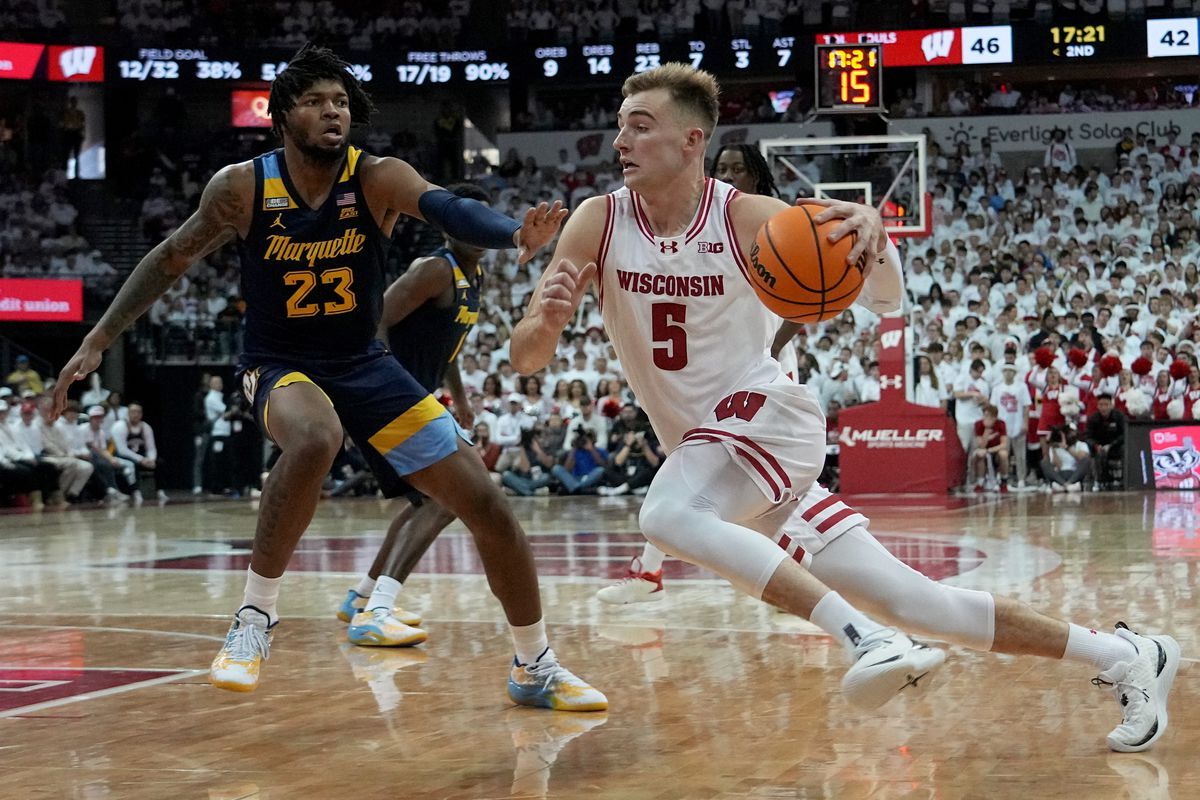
x: 667, y: 327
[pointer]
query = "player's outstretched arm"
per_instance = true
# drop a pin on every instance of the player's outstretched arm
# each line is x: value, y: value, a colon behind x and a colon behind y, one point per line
x: 554, y: 302
x: 403, y: 190
x: 224, y: 211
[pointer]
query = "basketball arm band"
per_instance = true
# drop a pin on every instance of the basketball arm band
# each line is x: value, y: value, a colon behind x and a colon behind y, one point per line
x: 883, y: 290
x: 469, y: 221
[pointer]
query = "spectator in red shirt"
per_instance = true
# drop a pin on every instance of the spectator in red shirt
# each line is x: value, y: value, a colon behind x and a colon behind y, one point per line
x: 991, y: 445
x: 488, y: 450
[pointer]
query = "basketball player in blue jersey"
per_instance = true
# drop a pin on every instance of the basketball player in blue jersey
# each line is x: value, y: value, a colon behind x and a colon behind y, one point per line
x: 312, y: 222
x: 427, y: 314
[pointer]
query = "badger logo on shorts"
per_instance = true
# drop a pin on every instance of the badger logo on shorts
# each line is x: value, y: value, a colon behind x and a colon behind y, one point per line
x: 250, y: 383
x: 762, y: 271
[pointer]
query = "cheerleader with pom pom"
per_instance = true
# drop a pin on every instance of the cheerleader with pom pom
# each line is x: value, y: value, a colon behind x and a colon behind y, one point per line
x: 1162, y: 396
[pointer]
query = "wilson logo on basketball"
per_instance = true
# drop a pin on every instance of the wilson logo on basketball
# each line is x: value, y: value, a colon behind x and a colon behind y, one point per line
x: 710, y: 247
x: 762, y: 271
x: 668, y: 247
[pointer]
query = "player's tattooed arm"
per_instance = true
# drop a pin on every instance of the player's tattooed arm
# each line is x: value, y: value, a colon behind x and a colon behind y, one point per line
x: 224, y: 212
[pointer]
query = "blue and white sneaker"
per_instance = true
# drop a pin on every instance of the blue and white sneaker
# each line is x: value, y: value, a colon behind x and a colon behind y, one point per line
x: 547, y: 684
x: 355, y: 603
x: 378, y: 628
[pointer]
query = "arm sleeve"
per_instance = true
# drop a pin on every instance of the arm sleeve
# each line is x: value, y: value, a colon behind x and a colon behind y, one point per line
x: 883, y: 289
x: 468, y: 220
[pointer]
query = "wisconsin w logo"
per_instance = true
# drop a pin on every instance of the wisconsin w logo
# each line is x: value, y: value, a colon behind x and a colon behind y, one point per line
x: 937, y: 45
x: 743, y: 405
x: 891, y: 339
x: 77, y: 61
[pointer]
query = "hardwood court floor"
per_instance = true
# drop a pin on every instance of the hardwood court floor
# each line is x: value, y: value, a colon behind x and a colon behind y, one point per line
x: 108, y: 619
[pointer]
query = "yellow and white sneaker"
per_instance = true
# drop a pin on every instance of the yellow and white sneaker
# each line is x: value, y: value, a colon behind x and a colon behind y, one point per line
x: 247, y: 645
x: 547, y: 684
x: 378, y: 628
x: 355, y: 602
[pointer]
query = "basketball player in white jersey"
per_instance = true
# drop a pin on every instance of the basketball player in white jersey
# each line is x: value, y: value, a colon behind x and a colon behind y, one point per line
x: 667, y: 252
x: 743, y: 167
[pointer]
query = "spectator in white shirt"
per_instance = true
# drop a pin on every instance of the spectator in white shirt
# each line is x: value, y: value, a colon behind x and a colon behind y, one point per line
x: 1011, y: 398
x: 134, y: 441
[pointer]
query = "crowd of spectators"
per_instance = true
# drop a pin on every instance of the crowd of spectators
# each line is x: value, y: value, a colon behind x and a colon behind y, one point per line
x: 362, y: 25
x: 973, y: 99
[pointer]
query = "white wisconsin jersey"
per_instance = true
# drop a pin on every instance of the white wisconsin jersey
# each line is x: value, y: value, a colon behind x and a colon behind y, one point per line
x: 680, y: 312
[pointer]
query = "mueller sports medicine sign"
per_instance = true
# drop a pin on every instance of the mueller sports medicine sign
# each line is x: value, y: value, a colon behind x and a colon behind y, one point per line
x: 891, y: 438
x: 1029, y: 132
x: 28, y: 300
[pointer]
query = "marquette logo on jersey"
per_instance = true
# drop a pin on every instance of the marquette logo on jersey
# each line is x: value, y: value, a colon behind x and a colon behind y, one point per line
x: 466, y: 316
x: 671, y: 285
x: 710, y: 247
x: 282, y: 248
x: 937, y: 45
x: 763, y: 272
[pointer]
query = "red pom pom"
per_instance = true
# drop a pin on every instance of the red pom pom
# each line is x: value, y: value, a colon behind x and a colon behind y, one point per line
x: 1076, y: 357
x: 1043, y: 356
x: 1109, y: 366
x: 1141, y: 366
x: 1180, y: 369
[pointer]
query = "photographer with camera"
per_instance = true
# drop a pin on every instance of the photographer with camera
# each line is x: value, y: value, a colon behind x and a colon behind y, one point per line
x: 584, y: 465
x: 529, y: 470
x: 1068, y: 461
x: 634, y: 465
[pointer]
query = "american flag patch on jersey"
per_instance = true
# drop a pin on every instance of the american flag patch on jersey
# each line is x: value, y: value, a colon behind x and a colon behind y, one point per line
x: 345, y: 199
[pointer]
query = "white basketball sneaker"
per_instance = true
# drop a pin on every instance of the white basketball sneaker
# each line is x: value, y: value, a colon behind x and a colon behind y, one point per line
x: 886, y: 663
x: 1142, y: 687
x: 638, y: 586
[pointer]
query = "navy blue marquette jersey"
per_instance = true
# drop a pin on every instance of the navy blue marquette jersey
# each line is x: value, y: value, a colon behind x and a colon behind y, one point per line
x: 313, y: 283
x: 312, y: 277
x: 428, y: 339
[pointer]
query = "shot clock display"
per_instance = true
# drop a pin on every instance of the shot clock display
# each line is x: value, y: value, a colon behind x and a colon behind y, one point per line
x: 849, y: 78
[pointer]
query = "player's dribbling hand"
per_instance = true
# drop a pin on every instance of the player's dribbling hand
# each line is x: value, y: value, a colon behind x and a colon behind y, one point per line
x: 562, y: 291
x: 538, y: 228
x: 856, y: 218
x: 82, y: 364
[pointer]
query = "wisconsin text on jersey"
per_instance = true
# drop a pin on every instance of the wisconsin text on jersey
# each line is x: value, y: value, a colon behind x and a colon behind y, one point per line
x: 671, y: 285
x: 282, y: 248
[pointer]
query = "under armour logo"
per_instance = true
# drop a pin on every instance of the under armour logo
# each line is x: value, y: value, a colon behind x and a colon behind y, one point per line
x: 891, y: 339
x: 278, y: 223
x: 890, y: 381
x: 668, y: 247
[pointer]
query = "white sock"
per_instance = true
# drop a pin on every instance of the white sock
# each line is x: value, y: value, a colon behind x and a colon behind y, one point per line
x: 652, y: 558
x: 1101, y: 650
x: 845, y: 623
x: 262, y: 593
x: 384, y: 594
x: 365, y: 586
x: 530, y: 641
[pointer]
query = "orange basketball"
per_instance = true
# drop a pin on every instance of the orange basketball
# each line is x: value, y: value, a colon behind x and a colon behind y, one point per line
x: 797, y: 272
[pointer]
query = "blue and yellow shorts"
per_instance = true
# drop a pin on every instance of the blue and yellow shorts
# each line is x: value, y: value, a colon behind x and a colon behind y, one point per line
x: 398, y: 425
